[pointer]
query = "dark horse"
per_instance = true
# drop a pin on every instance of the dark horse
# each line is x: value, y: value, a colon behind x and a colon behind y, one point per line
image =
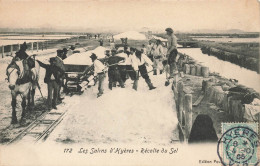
x: 23, y: 76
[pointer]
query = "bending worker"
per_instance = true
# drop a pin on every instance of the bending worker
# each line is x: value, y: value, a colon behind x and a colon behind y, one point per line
x: 140, y: 63
x: 113, y: 71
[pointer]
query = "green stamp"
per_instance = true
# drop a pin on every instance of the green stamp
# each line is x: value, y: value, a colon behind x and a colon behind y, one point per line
x: 238, y: 144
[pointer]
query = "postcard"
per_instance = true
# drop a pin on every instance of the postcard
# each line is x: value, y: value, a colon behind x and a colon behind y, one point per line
x: 118, y: 82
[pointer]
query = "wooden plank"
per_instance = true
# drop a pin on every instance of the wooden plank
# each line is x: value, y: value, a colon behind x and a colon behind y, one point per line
x: 197, y: 102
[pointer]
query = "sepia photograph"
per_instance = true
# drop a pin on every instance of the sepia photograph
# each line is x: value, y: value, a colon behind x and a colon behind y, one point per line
x: 120, y: 82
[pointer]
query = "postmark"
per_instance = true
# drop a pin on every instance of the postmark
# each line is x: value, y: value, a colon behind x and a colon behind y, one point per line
x: 238, y: 144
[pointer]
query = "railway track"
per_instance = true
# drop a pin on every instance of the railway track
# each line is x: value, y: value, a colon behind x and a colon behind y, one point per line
x: 40, y: 129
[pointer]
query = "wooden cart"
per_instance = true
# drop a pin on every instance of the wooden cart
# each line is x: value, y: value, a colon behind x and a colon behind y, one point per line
x: 73, y: 78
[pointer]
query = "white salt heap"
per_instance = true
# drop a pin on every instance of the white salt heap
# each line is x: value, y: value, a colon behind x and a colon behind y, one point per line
x: 83, y: 58
x: 133, y: 35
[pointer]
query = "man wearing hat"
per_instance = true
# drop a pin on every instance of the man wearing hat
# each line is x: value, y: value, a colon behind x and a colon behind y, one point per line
x: 21, y: 54
x: 130, y: 63
x: 70, y: 51
x: 140, y: 62
x: 107, y: 53
x: 53, y: 80
x: 144, y: 50
x: 63, y: 53
x: 59, y: 63
x: 113, y: 71
x: 99, y: 72
x: 171, y: 50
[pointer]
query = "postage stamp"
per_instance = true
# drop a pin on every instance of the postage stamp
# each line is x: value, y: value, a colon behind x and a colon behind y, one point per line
x: 238, y: 144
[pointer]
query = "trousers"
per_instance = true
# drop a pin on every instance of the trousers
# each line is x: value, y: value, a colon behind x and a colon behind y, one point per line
x: 101, y: 78
x: 172, y: 61
x: 53, y: 88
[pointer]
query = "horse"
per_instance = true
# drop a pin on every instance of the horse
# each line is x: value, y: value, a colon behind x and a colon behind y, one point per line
x: 23, y: 76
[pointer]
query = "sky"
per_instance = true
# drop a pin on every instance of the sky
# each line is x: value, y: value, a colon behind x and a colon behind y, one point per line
x: 182, y: 15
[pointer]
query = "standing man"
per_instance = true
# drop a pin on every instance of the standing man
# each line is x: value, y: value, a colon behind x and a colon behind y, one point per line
x: 140, y: 64
x: 150, y: 49
x: 99, y: 72
x: 52, y: 79
x: 122, y: 65
x: 144, y: 50
x: 157, y: 57
x: 107, y: 53
x: 60, y: 64
x: 100, y: 42
x: 113, y: 71
x: 130, y: 63
x: 171, y: 50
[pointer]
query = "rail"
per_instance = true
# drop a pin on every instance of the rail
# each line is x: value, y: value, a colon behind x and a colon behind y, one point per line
x: 40, y: 129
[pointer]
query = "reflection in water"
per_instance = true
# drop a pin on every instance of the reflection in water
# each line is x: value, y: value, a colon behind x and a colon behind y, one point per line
x: 226, y: 69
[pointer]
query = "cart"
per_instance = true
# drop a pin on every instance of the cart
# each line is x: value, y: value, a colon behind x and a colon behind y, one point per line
x: 73, y: 78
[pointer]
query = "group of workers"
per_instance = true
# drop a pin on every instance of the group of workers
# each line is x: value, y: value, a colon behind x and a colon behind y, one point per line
x: 127, y: 62
x: 122, y: 63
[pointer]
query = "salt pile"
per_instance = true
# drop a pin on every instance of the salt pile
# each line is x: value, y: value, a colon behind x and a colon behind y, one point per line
x: 79, y: 59
x: 133, y: 35
x: 159, y: 38
x: 83, y: 58
x: 100, y: 52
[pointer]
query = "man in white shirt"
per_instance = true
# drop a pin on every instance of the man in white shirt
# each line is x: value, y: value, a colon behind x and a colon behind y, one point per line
x: 99, y: 72
x: 129, y: 61
x: 157, y: 57
x: 139, y: 63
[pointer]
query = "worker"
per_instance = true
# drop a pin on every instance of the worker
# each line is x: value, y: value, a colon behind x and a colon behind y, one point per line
x: 113, y: 71
x: 149, y: 50
x: 144, y: 50
x: 99, y: 72
x: 139, y: 63
x: 122, y: 65
x: 52, y: 79
x: 59, y: 63
x: 100, y: 42
x: 133, y: 74
x: 158, y: 57
x: 171, y: 50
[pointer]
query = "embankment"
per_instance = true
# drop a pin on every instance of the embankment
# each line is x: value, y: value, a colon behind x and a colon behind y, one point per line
x: 243, y: 58
x: 222, y: 99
